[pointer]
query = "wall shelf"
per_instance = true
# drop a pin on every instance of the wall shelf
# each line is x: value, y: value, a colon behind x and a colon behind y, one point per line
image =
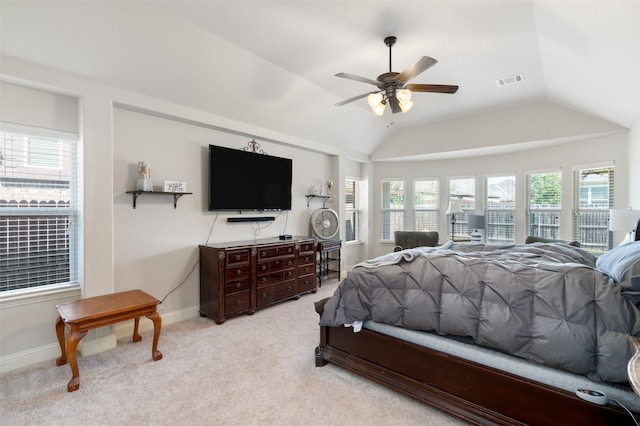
x: 324, y: 199
x: 176, y: 195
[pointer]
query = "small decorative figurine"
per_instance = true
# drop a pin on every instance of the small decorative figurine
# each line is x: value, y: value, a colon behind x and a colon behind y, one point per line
x: 144, y: 182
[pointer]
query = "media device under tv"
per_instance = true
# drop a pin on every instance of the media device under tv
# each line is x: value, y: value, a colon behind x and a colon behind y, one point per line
x: 243, y: 180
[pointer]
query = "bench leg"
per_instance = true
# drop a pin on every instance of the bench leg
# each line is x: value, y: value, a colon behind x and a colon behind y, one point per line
x: 63, y: 348
x: 157, y: 324
x: 72, y: 344
x: 136, y: 336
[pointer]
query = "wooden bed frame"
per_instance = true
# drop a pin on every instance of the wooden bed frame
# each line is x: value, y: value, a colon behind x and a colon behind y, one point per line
x: 471, y: 391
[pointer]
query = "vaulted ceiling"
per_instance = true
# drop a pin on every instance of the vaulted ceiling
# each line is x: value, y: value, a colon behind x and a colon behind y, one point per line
x: 272, y: 64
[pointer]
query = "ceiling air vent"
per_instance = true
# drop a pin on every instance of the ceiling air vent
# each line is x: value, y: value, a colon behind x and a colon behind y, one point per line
x: 518, y: 78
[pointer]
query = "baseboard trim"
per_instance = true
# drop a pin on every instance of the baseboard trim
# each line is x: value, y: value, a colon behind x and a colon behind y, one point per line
x: 125, y: 329
x: 51, y: 351
x: 29, y: 357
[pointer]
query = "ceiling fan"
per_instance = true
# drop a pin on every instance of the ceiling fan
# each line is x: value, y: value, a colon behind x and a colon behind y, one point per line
x: 392, y: 87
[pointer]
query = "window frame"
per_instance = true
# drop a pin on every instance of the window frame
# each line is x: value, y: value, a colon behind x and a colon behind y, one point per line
x: 433, y: 214
x: 599, y: 239
x: 490, y: 235
x: 556, y: 211
x: 386, y: 228
x: 355, y: 211
x: 42, y: 215
x: 468, y: 204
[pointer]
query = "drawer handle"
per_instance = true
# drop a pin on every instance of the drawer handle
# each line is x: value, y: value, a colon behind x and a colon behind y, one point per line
x: 263, y: 253
x: 237, y: 257
x: 238, y: 302
x: 306, y: 269
x: 289, y: 288
x: 289, y: 274
x: 264, y: 267
x: 290, y: 263
x: 264, y: 295
x: 290, y: 250
x: 264, y: 279
x: 238, y: 285
x: 239, y: 272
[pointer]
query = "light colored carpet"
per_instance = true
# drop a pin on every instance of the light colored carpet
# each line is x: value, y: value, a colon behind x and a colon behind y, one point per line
x: 251, y: 370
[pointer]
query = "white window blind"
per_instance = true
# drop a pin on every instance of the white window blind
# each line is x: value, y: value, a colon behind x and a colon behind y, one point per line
x: 352, y: 209
x: 393, y: 208
x: 500, y: 212
x: 592, y: 199
x: 544, y: 204
x: 426, y: 196
x: 461, y: 191
x: 39, y: 211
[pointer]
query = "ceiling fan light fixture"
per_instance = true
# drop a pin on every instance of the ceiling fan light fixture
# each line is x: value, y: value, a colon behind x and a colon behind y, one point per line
x: 403, y: 95
x: 374, y: 99
x: 406, y: 106
x: 378, y: 109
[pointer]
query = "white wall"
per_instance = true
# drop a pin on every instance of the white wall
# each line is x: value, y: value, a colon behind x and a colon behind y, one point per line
x: 596, y: 151
x: 154, y: 246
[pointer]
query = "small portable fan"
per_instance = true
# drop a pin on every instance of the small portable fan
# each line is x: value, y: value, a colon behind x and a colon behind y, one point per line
x: 324, y: 223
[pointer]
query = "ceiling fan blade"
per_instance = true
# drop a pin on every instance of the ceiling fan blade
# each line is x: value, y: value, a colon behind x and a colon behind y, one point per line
x: 438, y: 88
x: 415, y: 69
x: 355, y: 98
x: 357, y: 78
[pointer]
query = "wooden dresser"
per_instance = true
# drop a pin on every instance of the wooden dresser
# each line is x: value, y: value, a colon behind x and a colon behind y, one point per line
x: 241, y: 277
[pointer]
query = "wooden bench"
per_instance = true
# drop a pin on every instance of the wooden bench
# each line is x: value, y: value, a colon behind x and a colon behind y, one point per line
x: 93, y: 312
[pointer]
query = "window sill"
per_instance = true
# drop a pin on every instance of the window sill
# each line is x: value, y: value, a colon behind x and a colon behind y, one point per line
x: 35, y: 295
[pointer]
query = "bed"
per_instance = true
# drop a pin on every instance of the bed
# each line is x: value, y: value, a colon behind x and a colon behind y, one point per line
x: 483, y: 332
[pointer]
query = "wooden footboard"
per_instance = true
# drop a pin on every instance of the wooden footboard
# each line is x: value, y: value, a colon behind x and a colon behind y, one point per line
x: 471, y: 391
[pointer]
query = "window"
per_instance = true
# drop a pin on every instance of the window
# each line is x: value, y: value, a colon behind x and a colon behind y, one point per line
x: 39, y: 211
x: 462, y: 193
x: 352, y: 209
x: 592, y: 199
x: 544, y: 202
x: 500, y: 212
x: 393, y: 204
x: 426, y: 195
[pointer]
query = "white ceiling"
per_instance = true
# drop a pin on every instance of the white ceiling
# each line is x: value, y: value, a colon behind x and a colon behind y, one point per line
x: 272, y: 64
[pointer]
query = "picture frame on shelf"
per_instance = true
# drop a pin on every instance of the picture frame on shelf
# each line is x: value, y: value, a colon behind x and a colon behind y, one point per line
x: 174, y: 186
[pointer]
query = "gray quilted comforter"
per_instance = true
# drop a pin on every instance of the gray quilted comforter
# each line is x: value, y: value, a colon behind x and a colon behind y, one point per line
x: 543, y: 302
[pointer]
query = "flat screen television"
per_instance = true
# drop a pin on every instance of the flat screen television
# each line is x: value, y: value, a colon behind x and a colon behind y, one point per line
x: 244, y: 180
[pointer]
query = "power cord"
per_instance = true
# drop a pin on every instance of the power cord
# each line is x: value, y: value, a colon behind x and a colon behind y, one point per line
x: 183, y: 280
x: 215, y: 219
x: 626, y: 409
x: 256, y: 231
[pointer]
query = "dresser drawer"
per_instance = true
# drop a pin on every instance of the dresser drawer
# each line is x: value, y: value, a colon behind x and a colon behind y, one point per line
x: 306, y: 247
x: 307, y: 269
x: 275, y: 277
x: 237, y: 284
x: 306, y: 283
x: 276, y: 292
x: 306, y: 259
x: 237, y: 273
x: 275, y: 265
x: 237, y: 257
x: 237, y: 302
x: 278, y: 251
